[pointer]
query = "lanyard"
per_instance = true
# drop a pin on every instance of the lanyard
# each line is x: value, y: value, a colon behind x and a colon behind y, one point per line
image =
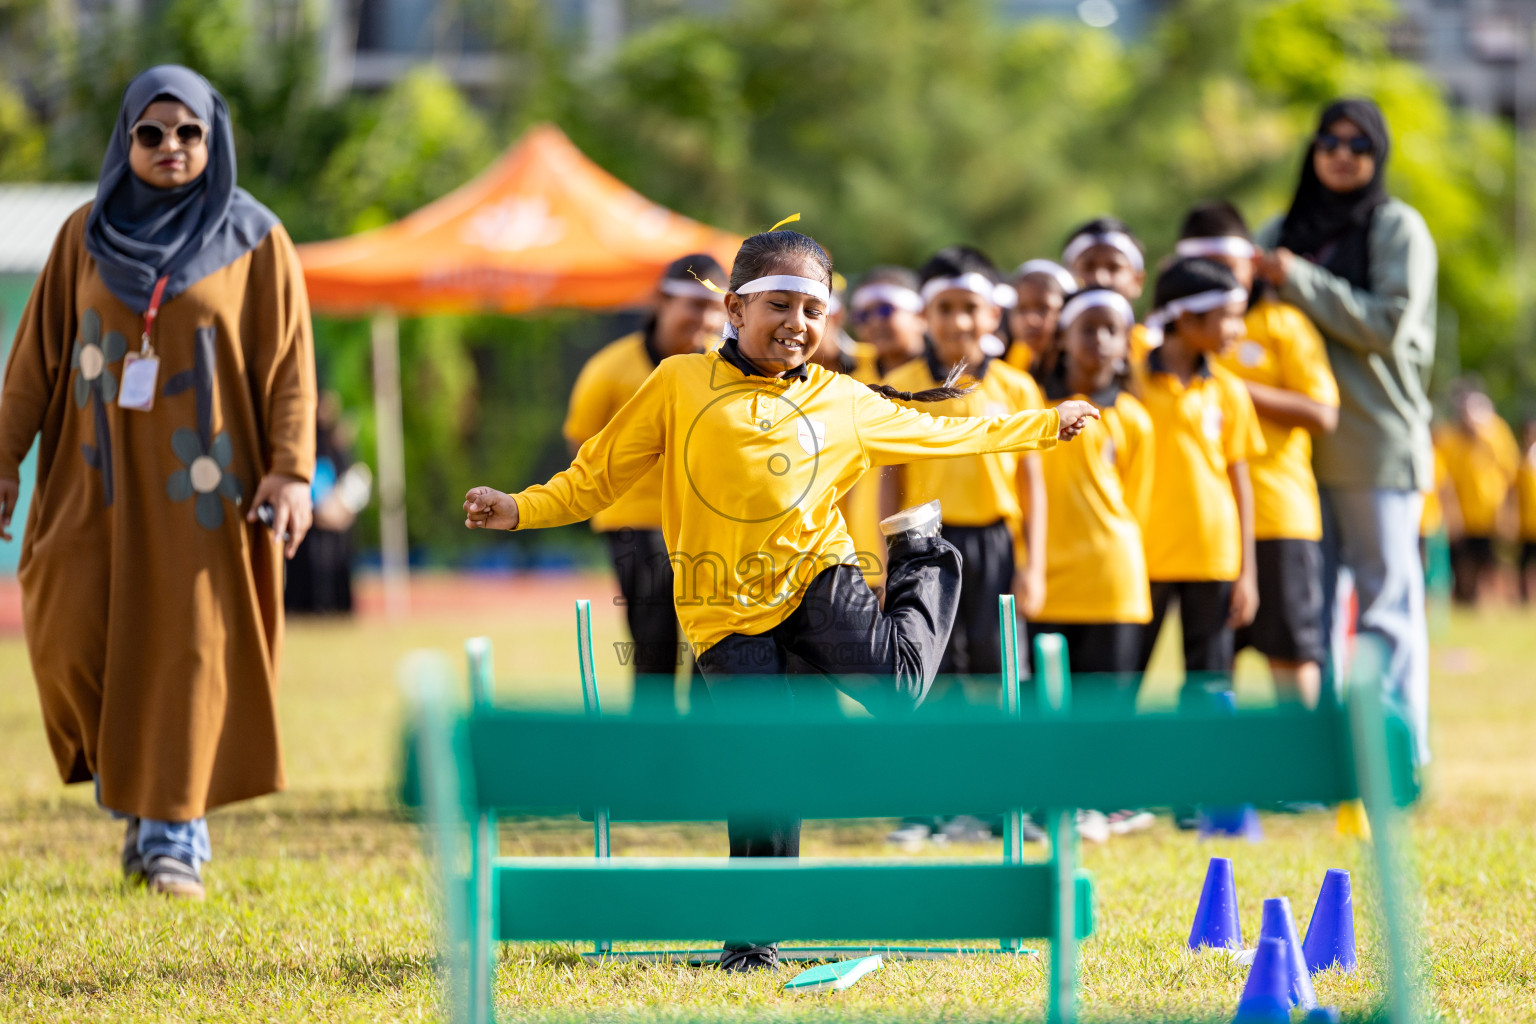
x: 145, y: 348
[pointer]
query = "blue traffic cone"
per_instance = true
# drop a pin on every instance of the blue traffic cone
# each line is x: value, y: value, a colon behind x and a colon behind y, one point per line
x: 1330, y: 938
x: 1279, y: 924
x: 1231, y: 821
x: 1216, y: 922
x: 1266, y: 996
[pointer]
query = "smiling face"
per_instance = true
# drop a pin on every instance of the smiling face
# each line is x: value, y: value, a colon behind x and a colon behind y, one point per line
x: 1343, y: 170
x: 958, y: 320
x: 779, y: 330
x: 1104, y: 266
x: 170, y: 164
x: 896, y: 333
x: 1033, y: 320
x: 1214, y: 331
x: 1095, y: 346
x: 687, y: 323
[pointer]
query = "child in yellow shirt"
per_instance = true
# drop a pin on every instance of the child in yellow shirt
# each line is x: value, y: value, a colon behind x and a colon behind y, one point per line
x: 1483, y: 460
x: 1525, y: 500
x: 1105, y: 253
x: 981, y: 493
x: 1283, y: 364
x: 685, y: 317
x: 1199, y: 533
x: 1041, y: 287
x: 755, y: 448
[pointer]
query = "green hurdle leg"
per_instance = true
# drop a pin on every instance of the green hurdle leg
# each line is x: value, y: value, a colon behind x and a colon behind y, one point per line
x: 1053, y: 683
x: 601, y: 841
x: 487, y: 898
x: 444, y: 794
x: 1013, y: 833
x: 1367, y: 727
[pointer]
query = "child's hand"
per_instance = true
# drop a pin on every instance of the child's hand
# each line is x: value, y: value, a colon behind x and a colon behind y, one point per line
x: 1074, y: 417
x: 1029, y: 588
x: 1245, y: 601
x: 486, y: 508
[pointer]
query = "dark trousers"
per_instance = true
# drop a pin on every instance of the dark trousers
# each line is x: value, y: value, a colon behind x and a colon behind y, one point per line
x: 1527, y: 562
x: 885, y: 659
x: 1208, y: 641
x: 975, y: 644
x: 1471, y: 557
x: 1104, y: 658
x: 645, y: 580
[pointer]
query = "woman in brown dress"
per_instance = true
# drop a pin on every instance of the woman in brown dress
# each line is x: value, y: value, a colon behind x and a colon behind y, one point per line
x: 165, y: 365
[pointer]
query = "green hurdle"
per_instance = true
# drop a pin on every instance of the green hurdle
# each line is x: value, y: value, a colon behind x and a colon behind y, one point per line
x: 477, y: 759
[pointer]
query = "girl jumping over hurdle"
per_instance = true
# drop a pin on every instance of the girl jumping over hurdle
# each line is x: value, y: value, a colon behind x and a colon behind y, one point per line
x: 756, y: 445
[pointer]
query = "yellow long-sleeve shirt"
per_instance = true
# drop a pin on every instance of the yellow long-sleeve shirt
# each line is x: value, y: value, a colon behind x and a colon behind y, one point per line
x: 751, y: 470
x: 1525, y: 491
x: 1099, y: 493
x: 608, y: 380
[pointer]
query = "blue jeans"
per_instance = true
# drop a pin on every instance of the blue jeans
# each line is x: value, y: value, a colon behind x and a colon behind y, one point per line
x: 186, y: 841
x: 1374, y: 534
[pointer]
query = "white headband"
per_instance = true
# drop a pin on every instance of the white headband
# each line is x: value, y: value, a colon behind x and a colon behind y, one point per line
x: 1235, y: 246
x: 786, y: 283
x: 897, y: 295
x: 1114, y: 239
x: 684, y: 288
x: 992, y: 345
x: 1200, y: 302
x: 1097, y: 298
x: 1051, y: 269
x: 975, y: 283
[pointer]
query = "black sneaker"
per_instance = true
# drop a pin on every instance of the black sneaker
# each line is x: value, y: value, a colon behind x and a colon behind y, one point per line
x: 912, y: 525
x: 133, y: 864
x: 750, y: 958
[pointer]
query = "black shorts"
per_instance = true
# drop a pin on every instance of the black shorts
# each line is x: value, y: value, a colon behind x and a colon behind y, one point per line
x: 1527, y: 554
x: 1289, y: 623
x: 1477, y: 552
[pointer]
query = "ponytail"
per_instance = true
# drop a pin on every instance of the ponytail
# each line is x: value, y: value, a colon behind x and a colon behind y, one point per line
x: 951, y: 388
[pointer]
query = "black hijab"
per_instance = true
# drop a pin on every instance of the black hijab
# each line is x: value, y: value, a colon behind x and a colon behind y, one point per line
x: 1332, y: 229
x: 139, y: 233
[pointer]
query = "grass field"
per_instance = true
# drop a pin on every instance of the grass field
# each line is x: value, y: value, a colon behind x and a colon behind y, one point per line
x: 320, y: 904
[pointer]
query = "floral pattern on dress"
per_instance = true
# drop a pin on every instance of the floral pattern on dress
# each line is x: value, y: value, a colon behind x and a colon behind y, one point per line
x: 205, y: 456
x: 91, y: 361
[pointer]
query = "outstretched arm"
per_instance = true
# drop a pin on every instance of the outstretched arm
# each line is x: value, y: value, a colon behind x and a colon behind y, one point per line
x: 892, y: 433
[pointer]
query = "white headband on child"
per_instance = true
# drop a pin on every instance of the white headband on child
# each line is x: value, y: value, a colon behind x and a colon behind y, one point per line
x: 1094, y: 299
x: 897, y: 295
x: 992, y: 345
x: 1235, y: 246
x: 684, y: 288
x: 974, y: 282
x: 1051, y: 269
x: 786, y: 283
x: 1200, y: 302
x: 1114, y: 239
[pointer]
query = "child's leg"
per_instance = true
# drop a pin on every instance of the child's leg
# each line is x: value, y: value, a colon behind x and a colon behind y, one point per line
x: 1162, y: 595
x: 1288, y: 629
x: 746, y: 674
x: 645, y: 580
x: 884, y: 659
x: 1203, y: 609
x: 1103, y: 658
x: 986, y: 572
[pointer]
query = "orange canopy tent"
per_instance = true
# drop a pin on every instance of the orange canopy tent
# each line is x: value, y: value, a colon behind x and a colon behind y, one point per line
x: 543, y: 227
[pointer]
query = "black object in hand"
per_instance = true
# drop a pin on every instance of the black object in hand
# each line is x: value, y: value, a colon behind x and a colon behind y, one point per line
x: 268, y: 516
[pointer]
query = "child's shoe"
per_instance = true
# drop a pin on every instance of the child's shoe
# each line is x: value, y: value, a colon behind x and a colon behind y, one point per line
x: 750, y: 958
x: 911, y: 524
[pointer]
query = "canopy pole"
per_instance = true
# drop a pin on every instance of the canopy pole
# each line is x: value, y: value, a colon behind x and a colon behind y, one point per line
x: 389, y: 429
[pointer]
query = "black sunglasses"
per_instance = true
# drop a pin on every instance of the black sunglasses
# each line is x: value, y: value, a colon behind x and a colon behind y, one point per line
x: 882, y: 310
x: 1358, y: 144
x: 150, y: 134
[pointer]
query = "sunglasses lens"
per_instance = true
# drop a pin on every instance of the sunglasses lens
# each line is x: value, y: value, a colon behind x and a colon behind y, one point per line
x: 1360, y: 145
x: 148, y: 135
x: 189, y: 134
x: 1327, y: 143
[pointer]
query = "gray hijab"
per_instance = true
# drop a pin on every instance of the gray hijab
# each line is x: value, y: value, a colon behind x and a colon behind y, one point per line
x: 139, y: 233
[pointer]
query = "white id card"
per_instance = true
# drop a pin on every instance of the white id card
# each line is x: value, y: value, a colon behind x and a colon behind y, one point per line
x: 139, y: 376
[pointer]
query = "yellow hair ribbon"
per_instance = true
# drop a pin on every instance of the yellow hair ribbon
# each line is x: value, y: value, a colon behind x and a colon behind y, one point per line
x: 787, y: 220
x: 706, y: 282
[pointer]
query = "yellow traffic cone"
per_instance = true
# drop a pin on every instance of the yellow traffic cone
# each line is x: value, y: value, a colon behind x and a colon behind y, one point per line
x: 1352, y: 820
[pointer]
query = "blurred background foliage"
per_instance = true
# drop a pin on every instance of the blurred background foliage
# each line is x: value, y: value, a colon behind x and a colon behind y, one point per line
x: 894, y: 126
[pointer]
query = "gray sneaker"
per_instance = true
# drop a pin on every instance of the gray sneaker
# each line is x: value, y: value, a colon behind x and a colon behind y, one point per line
x: 750, y: 958
x: 133, y: 864
x: 174, y: 878
x: 913, y: 523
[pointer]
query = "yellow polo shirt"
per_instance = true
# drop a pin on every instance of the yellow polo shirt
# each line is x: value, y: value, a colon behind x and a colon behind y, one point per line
x: 860, y: 507
x: 1525, y: 493
x: 1284, y: 350
x: 608, y: 380
x: 1098, y: 492
x: 1192, y: 531
x: 982, y: 489
x: 751, y: 471
x: 1482, y: 464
